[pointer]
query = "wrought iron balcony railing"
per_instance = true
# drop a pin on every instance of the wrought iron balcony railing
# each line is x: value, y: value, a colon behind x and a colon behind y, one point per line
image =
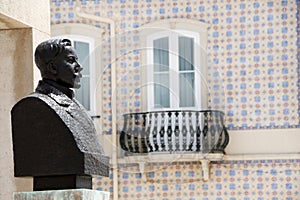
x: 174, y: 131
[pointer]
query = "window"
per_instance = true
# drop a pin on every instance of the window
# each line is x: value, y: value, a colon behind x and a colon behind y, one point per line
x: 83, y: 94
x: 84, y: 46
x: 174, y: 65
x: 87, y: 42
x: 173, y: 72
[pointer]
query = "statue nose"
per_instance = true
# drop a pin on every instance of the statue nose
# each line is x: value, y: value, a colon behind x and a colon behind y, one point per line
x: 78, y: 68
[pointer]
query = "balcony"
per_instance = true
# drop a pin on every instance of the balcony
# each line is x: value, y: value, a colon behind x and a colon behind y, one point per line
x: 166, y: 136
x: 174, y: 131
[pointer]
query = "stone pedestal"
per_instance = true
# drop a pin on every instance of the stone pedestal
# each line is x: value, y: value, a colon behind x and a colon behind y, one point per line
x: 76, y: 194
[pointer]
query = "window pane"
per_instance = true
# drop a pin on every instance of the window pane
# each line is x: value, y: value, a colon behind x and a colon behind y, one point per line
x: 161, y: 73
x: 187, y: 89
x: 161, y: 91
x: 82, y: 49
x: 186, y: 53
x: 83, y: 94
x: 161, y: 54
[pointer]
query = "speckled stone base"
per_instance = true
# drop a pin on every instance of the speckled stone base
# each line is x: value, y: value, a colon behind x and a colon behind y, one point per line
x: 78, y: 194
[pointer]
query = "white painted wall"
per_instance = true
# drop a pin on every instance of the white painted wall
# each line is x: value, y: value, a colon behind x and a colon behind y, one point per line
x: 23, y: 25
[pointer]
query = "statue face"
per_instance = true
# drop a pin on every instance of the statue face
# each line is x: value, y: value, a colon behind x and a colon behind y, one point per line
x: 68, y: 69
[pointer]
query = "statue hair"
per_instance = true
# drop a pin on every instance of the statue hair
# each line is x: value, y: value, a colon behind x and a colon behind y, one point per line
x: 47, y: 52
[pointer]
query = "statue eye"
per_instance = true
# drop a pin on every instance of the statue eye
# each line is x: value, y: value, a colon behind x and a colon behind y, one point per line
x: 71, y: 60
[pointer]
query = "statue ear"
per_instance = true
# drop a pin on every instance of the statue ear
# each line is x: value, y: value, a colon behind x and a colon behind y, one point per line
x: 52, y: 68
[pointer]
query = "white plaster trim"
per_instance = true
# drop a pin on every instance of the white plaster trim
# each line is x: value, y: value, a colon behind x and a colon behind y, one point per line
x: 266, y: 141
x: 163, y: 158
x: 77, y: 29
x: 204, y: 159
x: 287, y: 156
x: 186, y: 24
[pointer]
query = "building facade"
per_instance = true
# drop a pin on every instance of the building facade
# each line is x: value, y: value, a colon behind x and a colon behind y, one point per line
x: 158, y: 56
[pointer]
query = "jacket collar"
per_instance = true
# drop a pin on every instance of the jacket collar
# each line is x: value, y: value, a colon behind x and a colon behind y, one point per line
x: 54, y: 93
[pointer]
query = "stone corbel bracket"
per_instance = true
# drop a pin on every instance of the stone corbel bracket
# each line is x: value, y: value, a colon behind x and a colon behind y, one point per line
x: 142, y: 171
x: 205, y: 163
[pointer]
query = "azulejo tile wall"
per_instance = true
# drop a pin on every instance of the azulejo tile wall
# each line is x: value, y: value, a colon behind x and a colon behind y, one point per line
x: 252, y: 54
x: 234, y: 180
x: 254, y: 46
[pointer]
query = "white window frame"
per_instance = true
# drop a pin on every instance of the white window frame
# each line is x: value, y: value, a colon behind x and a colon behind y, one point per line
x: 92, y: 35
x: 173, y: 37
x: 177, y: 26
x: 91, y: 42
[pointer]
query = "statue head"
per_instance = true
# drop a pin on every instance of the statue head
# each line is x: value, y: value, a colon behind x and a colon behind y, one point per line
x: 58, y: 61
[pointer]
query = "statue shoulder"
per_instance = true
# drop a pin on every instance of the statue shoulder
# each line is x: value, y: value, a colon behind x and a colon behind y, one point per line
x: 35, y: 108
x: 34, y: 100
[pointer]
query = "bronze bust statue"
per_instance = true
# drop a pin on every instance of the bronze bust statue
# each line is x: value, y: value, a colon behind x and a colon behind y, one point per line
x: 54, y: 138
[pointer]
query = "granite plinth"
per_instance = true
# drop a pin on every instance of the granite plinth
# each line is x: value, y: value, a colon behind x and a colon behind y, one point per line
x: 77, y: 194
